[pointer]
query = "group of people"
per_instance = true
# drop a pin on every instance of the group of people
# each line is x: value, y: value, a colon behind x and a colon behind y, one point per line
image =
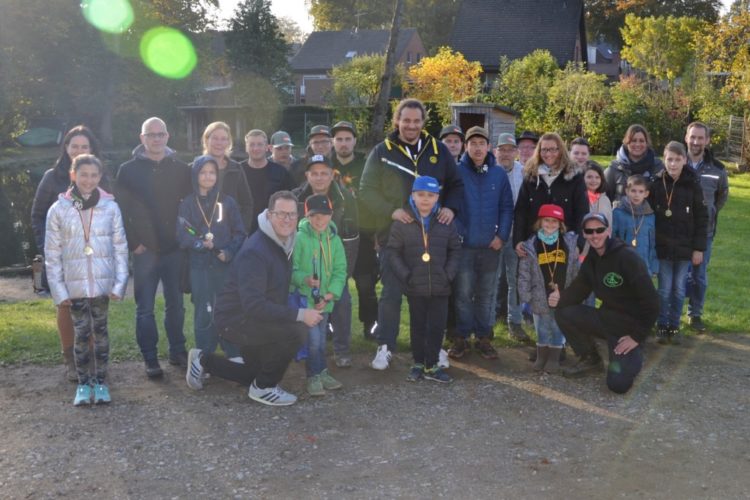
x: 266, y: 248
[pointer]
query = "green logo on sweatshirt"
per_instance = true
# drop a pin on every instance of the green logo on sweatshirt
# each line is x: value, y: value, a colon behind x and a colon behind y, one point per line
x: 612, y: 280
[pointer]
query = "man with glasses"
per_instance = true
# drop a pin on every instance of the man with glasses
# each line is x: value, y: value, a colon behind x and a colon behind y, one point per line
x: 318, y: 143
x: 149, y: 189
x: 526, y: 144
x: 630, y: 305
x: 253, y: 312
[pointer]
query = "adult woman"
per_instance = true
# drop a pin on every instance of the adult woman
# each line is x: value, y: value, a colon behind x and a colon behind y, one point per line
x: 549, y: 177
x: 79, y: 140
x: 636, y: 156
x: 217, y: 143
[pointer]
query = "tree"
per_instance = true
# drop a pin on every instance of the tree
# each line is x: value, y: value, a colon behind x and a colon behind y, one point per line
x: 356, y: 82
x: 725, y: 49
x: 386, y: 80
x: 444, y: 78
x: 291, y: 30
x: 663, y: 47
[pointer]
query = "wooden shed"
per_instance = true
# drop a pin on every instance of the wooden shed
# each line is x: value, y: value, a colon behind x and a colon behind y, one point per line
x: 495, y: 118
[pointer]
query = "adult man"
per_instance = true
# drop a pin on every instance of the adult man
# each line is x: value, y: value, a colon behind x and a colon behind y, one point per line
x: 320, y: 177
x: 453, y: 137
x: 149, y: 189
x: 281, y: 149
x: 715, y: 184
x: 526, y: 144
x: 386, y: 184
x: 264, y: 177
x: 630, y: 305
x: 348, y: 166
x: 318, y: 143
x: 505, y: 153
x: 253, y: 313
x: 483, y: 222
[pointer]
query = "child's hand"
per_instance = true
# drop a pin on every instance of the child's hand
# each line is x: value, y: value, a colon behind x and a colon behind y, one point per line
x: 312, y: 283
x: 697, y: 258
x: 209, y: 244
x: 222, y: 256
x: 554, y: 297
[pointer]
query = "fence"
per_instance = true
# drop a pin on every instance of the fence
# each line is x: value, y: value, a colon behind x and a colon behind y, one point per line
x: 737, y: 141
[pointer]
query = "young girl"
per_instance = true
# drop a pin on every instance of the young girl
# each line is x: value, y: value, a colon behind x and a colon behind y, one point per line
x: 550, y: 265
x: 596, y: 188
x: 319, y: 271
x: 681, y: 231
x: 87, y: 265
x: 211, y: 228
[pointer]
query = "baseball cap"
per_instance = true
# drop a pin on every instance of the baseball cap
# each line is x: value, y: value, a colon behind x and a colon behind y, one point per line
x: 318, y: 204
x: 451, y: 129
x: 344, y: 125
x: 506, y: 139
x: 477, y: 131
x: 426, y: 183
x: 594, y: 216
x: 527, y: 135
x: 550, y: 210
x: 319, y: 130
x: 318, y: 159
x: 281, y: 138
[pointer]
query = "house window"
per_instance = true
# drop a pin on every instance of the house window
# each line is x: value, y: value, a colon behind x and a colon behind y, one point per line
x: 408, y: 58
x: 419, y: 57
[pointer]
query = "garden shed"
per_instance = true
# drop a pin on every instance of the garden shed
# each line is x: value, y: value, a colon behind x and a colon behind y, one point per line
x: 495, y: 118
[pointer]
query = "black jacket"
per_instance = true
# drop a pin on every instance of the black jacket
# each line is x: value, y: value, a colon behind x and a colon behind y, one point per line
x: 232, y: 182
x: 420, y: 278
x: 277, y: 178
x: 620, y: 279
x: 149, y: 194
x: 686, y: 230
x: 623, y: 167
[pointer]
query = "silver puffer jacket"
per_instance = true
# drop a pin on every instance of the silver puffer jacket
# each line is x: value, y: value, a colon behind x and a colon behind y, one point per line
x: 70, y: 272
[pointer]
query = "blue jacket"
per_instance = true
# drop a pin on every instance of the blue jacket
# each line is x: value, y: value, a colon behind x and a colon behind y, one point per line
x: 623, y: 228
x: 487, y: 206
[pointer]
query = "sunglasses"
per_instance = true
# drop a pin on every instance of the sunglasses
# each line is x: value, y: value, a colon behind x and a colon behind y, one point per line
x: 594, y: 230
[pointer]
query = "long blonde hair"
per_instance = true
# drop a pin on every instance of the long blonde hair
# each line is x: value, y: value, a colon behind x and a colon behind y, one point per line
x: 210, y: 129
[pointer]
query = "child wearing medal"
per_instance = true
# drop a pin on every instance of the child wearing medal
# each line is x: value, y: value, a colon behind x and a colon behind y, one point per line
x: 681, y: 232
x: 319, y: 272
x: 634, y: 222
x: 425, y: 258
x: 211, y: 229
x: 550, y: 265
x: 87, y: 265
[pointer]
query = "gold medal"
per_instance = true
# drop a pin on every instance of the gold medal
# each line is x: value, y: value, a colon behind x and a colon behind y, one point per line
x: 425, y: 257
x: 209, y: 236
x: 634, y: 242
x: 88, y: 250
x: 668, y: 213
x: 551, y: 285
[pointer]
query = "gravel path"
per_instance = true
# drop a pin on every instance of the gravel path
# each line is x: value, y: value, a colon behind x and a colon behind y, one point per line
x: 499, y: 431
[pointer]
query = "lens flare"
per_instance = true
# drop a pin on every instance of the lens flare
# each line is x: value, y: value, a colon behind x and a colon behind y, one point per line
x: 168, y: 53
x: 111, y: 16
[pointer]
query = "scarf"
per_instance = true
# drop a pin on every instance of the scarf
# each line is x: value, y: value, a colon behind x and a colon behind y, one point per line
x: 79, y: 202
x: 550, y: 239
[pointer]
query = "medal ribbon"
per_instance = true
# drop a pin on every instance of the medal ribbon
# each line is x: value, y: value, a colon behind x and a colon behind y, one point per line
x: 637, y: 227
x: 425, y: 240
x: 551, y: 269
x: 213, y: 210
x: 668, y: 196
x: 87, y: 231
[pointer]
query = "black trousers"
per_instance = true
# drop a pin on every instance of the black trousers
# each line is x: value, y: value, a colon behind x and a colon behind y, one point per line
x: 366, y: 271
x: 581, y: 324
x: 428, y: 317
x: 267, y: 354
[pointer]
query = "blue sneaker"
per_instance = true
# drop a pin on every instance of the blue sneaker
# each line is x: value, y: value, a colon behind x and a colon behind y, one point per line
x: 438, y: 375
x: 83, y: 395
x: 416, y: 373
x: 101, y: 394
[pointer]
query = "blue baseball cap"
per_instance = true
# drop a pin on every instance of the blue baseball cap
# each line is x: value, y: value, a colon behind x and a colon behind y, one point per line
x: 426, y: 183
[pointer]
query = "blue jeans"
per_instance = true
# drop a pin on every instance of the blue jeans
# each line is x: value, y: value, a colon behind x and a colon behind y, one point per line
x: 389, y: 306
x: 206, y: 280
x: 341, y: 321
x: 473, y: 289
x: 149, y: 269
x: 697, y: 282
x: 508, y: 264
x: 316, y: 347
x: 672, y: 277
x: 547, y: 332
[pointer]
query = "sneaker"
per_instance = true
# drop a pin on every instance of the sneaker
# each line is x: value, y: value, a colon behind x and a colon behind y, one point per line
x: 416, y: 373
x: 485, y: 348
x: 697, y: 324
x: 101, y: 394
x: 315, y: 386
x: 83, y: 395
x: 662, y: 334
x: 675, y: 336
x: 443, y: 359
x: 342, y: 360
x: 329, y: 383
x: 194, y: 373
x: 586, y: 364
x: 517, y: 333
x: 438, y: 375
x: 153, y: 369
x: 458, y: 349
x: 236, y: 359
x: 179, y: 359
x: 271, y: 396
x: 382, y: 358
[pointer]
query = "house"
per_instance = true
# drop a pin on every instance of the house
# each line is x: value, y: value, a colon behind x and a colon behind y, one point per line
x: 604, y: 59
x: 487, y: 29
x: 323, y: 50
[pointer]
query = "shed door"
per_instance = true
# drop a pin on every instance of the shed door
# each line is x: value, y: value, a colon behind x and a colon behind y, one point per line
x: 468, y: 120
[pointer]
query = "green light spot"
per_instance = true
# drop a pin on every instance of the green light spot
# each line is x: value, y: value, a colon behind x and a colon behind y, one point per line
x: 112, y: 16
x: 168, y: 53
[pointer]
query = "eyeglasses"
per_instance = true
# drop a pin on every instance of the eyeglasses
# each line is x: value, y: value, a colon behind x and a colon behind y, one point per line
x: 155, y: 135
x: 285, y: 215
x: 592, y: 230
x: 549, y: 150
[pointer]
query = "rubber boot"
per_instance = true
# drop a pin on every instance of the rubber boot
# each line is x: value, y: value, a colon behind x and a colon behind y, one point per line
x: 70, y: 365
x: 542, y: 354
x: 553, y: 362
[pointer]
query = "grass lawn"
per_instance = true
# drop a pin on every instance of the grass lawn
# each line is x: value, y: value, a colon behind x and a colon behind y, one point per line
x: 28, y: 331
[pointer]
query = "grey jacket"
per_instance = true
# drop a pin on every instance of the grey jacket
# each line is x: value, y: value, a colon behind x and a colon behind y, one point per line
x: 532, y: 287
x: 71, y: 273
x: 715, y: 184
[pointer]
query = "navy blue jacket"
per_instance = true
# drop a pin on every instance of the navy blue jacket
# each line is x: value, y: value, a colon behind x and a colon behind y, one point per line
x: 487, y: 207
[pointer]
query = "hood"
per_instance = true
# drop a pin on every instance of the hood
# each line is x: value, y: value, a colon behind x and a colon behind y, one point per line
x: 642, y: 209
x: 265, y: 225
x: 638, y: 167
x: 196, y: 168
x: 67, y: 195
x: 140, y: 152
x: 568, y: 173
x: 306, y: 228
x: 424, y: 220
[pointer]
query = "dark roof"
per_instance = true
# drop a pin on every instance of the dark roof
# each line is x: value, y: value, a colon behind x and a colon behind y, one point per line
x: 325, y: 49
x: 486, y: 29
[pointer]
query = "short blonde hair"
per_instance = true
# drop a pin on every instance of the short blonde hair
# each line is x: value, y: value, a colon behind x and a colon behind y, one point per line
x: 210, y: 129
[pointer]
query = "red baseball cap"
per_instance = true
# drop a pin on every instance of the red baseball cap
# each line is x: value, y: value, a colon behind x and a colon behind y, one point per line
x: 553, y: 211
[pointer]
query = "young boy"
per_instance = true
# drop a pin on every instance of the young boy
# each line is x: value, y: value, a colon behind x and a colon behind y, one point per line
x: 425, y: 259
x: 633, y: 221
x: 319, y: 272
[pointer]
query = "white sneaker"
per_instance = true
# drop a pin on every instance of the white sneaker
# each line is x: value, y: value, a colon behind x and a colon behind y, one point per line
x: 271, y: 396
x: 443, y: 359
x: 382, y: 358
x: 194, y: 374
x: 237, y: 359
